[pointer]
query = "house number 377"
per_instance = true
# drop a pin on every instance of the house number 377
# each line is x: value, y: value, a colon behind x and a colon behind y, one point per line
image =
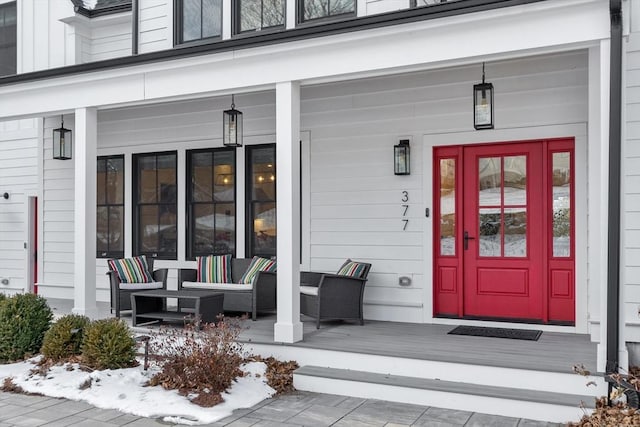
x: 405, y: 209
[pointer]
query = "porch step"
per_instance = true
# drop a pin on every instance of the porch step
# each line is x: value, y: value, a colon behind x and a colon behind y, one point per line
x: 512, y: 402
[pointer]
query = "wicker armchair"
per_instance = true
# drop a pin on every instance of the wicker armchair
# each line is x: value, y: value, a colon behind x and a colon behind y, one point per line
x: 325, y: 296
x: 121, y: 292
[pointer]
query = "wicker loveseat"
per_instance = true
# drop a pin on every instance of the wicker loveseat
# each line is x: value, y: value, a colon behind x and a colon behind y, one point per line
x: 327, y: 296
x: 259, y: 296
x: 121, y: 292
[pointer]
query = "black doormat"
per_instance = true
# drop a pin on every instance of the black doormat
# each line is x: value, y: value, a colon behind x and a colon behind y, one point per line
x: 514, y: 334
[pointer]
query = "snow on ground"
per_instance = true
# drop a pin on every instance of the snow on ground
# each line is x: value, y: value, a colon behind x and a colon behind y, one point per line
x: 124, y: 390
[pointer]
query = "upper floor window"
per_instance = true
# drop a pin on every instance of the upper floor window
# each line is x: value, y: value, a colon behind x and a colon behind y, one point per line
x: 318, y: 9
x: 198, y: 19
x: 155, y: 205
x: 253, y: 15
x: 8, y: 37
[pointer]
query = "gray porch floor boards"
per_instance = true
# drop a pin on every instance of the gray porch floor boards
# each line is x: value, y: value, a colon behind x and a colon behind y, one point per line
x: 553, y: 352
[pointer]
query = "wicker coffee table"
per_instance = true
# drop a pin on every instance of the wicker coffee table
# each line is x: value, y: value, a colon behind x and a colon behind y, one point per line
x: 151, y: 305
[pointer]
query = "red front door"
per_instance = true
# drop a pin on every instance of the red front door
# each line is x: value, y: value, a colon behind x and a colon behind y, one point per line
x: 504, y: 231
x: 502, y: 223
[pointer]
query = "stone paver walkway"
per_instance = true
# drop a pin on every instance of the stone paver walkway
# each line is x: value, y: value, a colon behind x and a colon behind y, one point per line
x: 297, y: 409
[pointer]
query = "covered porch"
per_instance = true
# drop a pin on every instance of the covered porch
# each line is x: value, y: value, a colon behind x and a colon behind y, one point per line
x: 423, y: 364
x: 336, y: 195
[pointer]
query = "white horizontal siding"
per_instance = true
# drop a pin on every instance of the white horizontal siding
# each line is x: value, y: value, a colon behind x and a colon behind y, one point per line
x: 111, y: 41
x: 57, y: 223
x: 155, y: 25
x: 19, y: 178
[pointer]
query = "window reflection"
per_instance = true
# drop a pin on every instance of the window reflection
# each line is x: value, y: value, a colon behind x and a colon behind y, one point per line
x: 262, y: 197
x: 260, y: 14
x: 502, y: 197
x: 447, y: 206
x: 201, y: 19
x: 315, y: 9
x: 211, y: 202
x: 561, y: 181
x: 110, y: 207
x: 156, y: 205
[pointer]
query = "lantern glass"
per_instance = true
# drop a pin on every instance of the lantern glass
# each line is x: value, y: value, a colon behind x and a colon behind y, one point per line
x: 232, y: 128
x: 402, y: 158
x: 62, y: 143
x: 483, y: 106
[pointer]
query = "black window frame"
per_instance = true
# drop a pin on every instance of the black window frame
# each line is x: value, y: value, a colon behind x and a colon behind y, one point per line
x: 178, y: 25
x: 109, y: 253
x: 237, y: 20
x: 249, y: 201
x: 11, y: 42
x: 191, y: 253
x: 340, y: 16
x: 136, y: 205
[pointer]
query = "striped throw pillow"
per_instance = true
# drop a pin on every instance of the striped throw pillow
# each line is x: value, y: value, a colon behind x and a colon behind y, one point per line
x: 131, y: 270
x: 214, y: 268
x: 352, y: 269
x: 257, y: 264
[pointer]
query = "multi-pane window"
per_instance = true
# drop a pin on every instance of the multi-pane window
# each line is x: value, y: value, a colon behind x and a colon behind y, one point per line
x: 253, y: 15
x: 211, y: 202
x: 155, y: 205
x: 198, y: 19
x: 110, y: 207
x: 317, y: 9
x: 8, y: 37
x: 261, y: 200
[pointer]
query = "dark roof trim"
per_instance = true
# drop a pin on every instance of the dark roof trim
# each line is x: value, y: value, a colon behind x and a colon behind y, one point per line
x: 89, y: 13
x: 299, y: 33
x: 102, y: 8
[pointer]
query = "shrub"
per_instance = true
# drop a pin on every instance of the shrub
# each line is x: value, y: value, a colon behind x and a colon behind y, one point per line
x: 201, y: 364
x: 24, y: 319
x: 65, y: 337
x: 2, y: 297
x: 108, y: 344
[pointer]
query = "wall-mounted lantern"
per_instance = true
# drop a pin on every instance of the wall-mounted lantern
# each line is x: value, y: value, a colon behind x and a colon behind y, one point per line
x: 62, y: 142
x: 483, y: 104
x: 402, y: 158
x: 232, y: 126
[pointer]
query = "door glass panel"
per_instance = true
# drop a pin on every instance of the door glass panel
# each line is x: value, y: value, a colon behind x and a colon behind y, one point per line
x: 447, y: 206
x: 490, y: 235
x: 561, y: 204
x: 515, y: 232
x: 515, y: 180
x: 489, y: 178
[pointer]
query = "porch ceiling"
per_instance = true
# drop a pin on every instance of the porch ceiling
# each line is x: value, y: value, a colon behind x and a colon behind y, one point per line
x: 567, y: 24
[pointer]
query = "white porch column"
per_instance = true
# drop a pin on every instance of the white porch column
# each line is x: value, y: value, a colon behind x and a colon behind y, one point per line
x: 84, y: 147
x: 288, y: 327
